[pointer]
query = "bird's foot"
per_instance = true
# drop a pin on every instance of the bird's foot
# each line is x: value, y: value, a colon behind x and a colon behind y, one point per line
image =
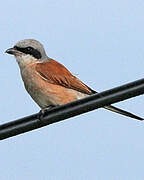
x: 42, y: 112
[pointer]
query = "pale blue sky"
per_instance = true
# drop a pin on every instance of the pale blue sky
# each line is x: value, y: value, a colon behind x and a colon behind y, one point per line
x: 102, y: 42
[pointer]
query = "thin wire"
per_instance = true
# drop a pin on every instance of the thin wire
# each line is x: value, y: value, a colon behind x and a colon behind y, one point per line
x: 60, y: 113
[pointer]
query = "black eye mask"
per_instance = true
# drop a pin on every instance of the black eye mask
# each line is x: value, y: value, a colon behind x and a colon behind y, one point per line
x: 29, y: 50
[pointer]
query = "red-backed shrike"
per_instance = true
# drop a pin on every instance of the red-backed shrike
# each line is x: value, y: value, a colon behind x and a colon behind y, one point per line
x: 48, y: 82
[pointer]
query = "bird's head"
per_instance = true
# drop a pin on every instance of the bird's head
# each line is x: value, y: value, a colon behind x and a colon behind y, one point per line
x: 27, y: 51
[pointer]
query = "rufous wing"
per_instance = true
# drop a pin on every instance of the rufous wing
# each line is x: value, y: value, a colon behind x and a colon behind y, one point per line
x: 55, y: 73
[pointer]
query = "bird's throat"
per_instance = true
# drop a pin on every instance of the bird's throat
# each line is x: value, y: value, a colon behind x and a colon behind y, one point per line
x: 25, y: 60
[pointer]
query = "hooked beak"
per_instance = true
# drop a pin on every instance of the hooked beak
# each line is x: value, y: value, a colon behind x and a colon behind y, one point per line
x: 11, y: 51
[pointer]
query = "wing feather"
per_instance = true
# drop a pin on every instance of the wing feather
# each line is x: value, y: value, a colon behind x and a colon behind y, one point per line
x: 55, y: 73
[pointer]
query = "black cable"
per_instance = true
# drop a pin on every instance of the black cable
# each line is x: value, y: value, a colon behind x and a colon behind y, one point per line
x: 60, y: 113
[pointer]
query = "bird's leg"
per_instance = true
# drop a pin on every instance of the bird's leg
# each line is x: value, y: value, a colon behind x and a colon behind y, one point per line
x: 43, y: 111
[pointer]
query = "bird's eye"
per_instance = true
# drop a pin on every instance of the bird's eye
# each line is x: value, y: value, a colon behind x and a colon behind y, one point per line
x: 29, y: 49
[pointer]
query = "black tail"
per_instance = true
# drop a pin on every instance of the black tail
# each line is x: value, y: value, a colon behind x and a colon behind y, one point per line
x: 123, y: 112
x: 120, y: 111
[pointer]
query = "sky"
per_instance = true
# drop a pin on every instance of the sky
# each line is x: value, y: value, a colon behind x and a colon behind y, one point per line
x: 102, y: 43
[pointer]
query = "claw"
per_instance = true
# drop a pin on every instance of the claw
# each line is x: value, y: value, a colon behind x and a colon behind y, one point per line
x: 42, y: 112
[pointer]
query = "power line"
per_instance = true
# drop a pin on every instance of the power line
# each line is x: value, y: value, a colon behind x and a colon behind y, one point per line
x: 60, y: 113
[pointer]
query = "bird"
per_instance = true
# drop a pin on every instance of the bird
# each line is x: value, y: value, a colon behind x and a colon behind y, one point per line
x: 47, y: 81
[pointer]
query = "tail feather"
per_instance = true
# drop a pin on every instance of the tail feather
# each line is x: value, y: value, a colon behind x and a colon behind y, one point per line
x: 118, y: 110
x: 123, y: 112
